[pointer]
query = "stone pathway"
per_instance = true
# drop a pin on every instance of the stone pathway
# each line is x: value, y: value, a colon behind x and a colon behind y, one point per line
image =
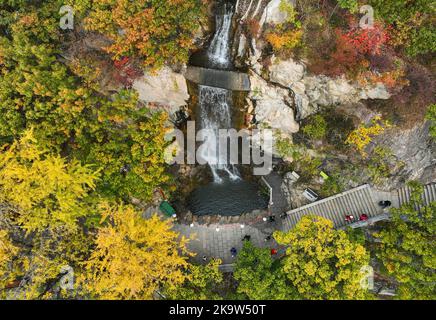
x: 212, y: 243
x: 280, y: 204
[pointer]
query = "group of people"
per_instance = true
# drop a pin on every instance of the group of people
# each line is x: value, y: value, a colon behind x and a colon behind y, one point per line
x: 364, y: 217
x: 234, y: 251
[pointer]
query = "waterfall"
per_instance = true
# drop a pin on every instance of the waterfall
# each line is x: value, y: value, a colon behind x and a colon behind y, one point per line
x: 215, y: 114
x: 215, y: 103
x: 219, y: 49
x: 229, y: 194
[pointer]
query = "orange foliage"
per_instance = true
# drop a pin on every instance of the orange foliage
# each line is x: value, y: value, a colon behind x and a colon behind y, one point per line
x: 159, y: 31
x: 285, y: 40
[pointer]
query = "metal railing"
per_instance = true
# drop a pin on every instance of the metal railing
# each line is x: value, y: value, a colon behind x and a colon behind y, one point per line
x: 270, y: 191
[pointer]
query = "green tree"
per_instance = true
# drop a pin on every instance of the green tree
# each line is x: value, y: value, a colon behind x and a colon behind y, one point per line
x: 200, y: 284
x: 321, y: 262
x: 259, y: 276
x: 407, y: 250
x: 431, y: 116
x: 68, y: 117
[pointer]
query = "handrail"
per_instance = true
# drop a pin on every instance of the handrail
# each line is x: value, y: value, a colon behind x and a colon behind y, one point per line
x: 270, y: 191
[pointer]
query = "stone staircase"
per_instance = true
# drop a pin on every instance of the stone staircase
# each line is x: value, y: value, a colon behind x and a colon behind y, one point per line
x: 428, y: 196
x: 353, y: 202
x: 361, y: 200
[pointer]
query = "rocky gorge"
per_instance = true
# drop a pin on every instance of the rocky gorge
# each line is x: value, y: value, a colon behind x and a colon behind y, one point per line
x: 284, y: 93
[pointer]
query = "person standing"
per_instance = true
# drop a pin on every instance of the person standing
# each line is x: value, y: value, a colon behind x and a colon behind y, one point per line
x: 233, y: 251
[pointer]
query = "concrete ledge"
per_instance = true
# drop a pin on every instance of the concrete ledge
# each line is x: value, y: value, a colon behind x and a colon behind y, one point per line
x: 229, y: 80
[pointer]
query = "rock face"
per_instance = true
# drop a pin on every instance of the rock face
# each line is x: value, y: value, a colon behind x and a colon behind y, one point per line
x: 272, y: 106
x: 416, y: 149
x: 276, y: 114
x: 272, y: 13
x: 286, y: 73
x: 165, y: 88
x: 293, y: 192
x: 312, y: 92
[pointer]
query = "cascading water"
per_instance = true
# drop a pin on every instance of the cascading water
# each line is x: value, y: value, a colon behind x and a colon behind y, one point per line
x: 219, y: 49
x: 215, y: 114
x: 229, y: 194
x: 215, y: 103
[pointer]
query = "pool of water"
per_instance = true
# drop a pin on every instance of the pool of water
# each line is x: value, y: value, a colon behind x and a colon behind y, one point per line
x: 229, y: 198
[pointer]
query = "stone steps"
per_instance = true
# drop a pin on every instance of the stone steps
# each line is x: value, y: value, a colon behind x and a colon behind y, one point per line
x: 361, y: 200
x: 428, y: 196
x: 353, y: 202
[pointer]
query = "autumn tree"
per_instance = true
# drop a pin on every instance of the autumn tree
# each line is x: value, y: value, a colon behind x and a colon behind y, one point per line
x: 259, y: 276
x: 407, y: 249
x: 160, y: 31
x: 411, y: 22
x: 361, y: 137
x: 37, y: 263
x: 45, y: 189
x: 68, y: 116
x: 200, y: 284
x: 368, y: 41
x: 321, y: 262
x: 134, y: 257
x: 44, y: 203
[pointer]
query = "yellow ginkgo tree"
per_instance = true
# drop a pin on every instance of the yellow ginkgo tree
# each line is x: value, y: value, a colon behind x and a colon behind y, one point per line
x: 46, y: 189
x: 365, y: 133
x: 134, y: 257
x: 44, y: 201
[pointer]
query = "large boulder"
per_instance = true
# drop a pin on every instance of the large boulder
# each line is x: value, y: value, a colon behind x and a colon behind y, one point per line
x: 286, y: 72
x: 165, y: 88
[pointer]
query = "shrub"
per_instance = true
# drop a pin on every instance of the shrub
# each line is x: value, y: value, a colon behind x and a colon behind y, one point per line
x: 284, y: 40
x: 316, y: 128
x: 368, y: 41
x: 431, y: 116
x: 157, y: 30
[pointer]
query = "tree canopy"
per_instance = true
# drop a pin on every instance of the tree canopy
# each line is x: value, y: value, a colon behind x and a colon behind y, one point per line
x: 321, y: 262
x: 407, y: 250
x: 134, y: 257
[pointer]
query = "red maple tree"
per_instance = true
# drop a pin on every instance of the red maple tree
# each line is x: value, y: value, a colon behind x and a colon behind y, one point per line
x: 368, y: 41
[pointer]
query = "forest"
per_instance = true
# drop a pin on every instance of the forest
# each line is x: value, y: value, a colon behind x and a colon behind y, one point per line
x: 83, y: 147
